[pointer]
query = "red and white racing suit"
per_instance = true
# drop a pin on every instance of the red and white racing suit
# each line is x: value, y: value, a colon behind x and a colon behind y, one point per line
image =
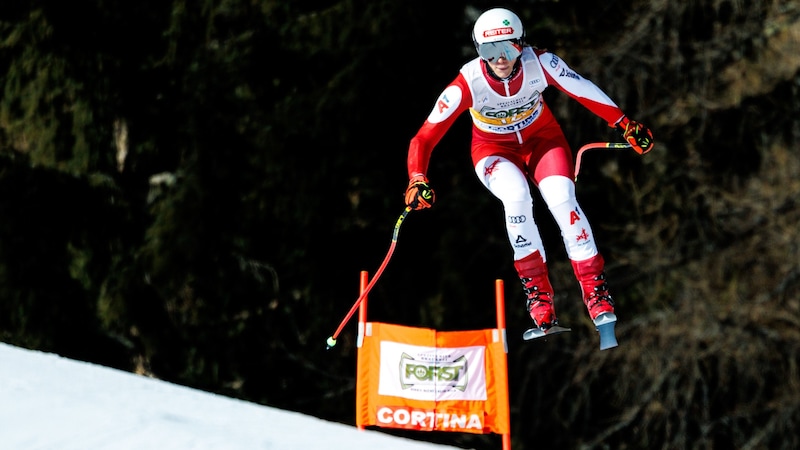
x: 515, y: 138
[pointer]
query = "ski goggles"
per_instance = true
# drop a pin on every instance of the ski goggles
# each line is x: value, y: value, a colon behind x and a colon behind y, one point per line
x: 492, y: 51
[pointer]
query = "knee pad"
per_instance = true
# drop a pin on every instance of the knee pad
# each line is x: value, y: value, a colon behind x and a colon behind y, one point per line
x: 556, y: 190
x: 503, y: 179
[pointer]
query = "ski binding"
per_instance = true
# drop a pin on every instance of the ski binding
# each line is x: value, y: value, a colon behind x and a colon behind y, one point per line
x: 605, y: 326
x: 537, y: 332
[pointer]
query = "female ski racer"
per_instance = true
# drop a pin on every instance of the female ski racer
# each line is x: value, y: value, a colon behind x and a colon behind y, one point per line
x: 516, y: 139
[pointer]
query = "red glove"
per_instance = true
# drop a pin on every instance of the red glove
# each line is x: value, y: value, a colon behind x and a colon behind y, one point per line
x: 636, y: 134
x: 418, y: 194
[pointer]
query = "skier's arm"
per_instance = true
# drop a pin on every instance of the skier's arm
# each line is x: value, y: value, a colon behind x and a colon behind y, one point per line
x: 560, y: 75
x: 454, y: 100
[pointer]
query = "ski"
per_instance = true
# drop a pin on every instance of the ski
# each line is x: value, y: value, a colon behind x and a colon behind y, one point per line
x: 535, y: 333
x: 605, y: 326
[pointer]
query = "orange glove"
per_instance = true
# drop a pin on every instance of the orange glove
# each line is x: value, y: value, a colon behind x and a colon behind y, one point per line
x: 418, y: 194
x: 636, y: 134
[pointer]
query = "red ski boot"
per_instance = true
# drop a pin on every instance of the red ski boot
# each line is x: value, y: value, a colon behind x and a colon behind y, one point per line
x: 593, y: 284
x: 532, y: 272
x: 598, y: 301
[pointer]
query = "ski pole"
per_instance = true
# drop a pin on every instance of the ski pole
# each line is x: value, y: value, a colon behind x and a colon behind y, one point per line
x: 332, y: 340
x: 612, y: 145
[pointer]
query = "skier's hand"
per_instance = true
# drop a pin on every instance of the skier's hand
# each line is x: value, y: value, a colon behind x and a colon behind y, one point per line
x: 418, y: 194
x: 637, y: 135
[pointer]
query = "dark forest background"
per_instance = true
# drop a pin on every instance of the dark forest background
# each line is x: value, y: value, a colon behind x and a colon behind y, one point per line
x: 189, y: 190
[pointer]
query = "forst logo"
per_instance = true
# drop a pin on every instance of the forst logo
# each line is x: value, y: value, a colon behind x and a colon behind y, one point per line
x: 415, y: 373
x: 511, y: 112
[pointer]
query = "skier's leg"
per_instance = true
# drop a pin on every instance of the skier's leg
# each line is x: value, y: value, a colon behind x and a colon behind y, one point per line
x: 587, y: 263
x: 506, y: 181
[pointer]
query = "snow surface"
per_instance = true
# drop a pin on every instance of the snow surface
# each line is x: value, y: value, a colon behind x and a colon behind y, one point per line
x: 50, y: 402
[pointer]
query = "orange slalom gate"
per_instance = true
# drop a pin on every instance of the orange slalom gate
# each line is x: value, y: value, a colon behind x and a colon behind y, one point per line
x: 428, y: 380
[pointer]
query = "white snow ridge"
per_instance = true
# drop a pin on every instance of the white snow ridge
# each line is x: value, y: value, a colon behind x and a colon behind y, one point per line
x: 49, y: 402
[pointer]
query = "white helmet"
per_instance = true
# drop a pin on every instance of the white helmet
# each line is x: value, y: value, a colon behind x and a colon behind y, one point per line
x: 498, y: 32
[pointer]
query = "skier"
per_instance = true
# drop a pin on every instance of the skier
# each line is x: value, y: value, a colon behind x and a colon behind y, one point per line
x: 516, y: 138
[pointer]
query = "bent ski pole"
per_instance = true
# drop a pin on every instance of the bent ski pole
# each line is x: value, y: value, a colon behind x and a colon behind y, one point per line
x: 611, y: 145
x: 332, y: 340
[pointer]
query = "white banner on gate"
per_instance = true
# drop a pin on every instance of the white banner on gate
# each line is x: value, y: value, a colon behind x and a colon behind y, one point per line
x: 431, y: 373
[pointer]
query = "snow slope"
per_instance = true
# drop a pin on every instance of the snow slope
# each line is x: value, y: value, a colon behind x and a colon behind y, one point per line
x: 50, y: 402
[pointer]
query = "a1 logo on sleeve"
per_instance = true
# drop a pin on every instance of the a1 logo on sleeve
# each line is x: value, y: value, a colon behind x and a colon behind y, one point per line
x: 445, y: 105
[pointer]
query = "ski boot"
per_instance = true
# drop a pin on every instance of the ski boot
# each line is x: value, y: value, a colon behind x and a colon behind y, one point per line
x: 532, y: 272
x: 598, y: 301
